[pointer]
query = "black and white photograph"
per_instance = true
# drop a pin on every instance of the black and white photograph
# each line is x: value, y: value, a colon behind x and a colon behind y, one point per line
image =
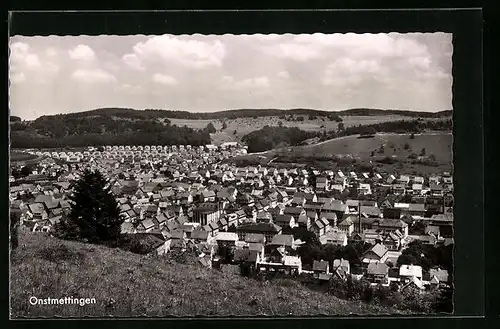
x: 218, y: 175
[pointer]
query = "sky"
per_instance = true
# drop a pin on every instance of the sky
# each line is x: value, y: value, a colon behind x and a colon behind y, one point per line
x: 206, y: 73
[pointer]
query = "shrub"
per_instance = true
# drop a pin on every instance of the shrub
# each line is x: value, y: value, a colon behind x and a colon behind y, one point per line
x: 406, y: 146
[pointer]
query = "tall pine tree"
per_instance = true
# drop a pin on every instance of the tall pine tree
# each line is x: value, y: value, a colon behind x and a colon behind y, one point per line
x: 95, y: 215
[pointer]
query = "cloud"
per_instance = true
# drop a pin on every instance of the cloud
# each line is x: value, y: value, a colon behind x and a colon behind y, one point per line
x: 26, y: 65
x: 93, y: 76
x: 164, y: 79
x: 259, y: 82
x: 215, y: 72
x: 133, y: 61
x: 308, y: 47
x: 170, y: 49
x: 82, y: 53
x: 51, y: 52
x: 293, y: 51
x: 284, y: 75
x: 131, y: 89
x: 20, y: 56
x: 348, y: 71
x: 17, y: 78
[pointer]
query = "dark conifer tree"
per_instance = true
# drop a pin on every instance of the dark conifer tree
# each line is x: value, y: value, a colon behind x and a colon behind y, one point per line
x: 95, y: 215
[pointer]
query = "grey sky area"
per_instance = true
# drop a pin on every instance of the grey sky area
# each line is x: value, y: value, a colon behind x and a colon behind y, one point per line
x: 200, y: 73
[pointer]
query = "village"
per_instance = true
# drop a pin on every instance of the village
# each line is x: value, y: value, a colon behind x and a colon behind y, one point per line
x: 185, y: 197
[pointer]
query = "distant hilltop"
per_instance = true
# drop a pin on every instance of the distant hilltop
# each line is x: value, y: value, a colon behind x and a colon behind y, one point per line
x: 245, y: 113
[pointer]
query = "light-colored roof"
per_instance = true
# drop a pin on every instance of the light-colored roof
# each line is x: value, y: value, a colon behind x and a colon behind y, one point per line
x: 410, y: 271
x: 226, y: 236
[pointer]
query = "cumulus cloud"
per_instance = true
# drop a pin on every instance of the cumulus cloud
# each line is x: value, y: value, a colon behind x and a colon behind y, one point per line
x: 82, y: 52
x: 93, y: 76
x: 171, y: 49
x: 334, y: 71
x: 20, y: 55
x: 164, y: 79
x: 250, y: 83
x: 133, y: 61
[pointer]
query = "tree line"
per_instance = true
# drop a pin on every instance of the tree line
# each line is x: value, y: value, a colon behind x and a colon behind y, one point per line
x: 273, y: 137
x: 51, y: 132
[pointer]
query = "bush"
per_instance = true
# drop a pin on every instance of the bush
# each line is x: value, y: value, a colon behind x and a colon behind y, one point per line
x: 406, y: 146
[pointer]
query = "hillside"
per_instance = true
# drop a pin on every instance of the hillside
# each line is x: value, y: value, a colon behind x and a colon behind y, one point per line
x: 137, y: 127
x: 246, y: 113
x: 126, y: 284
x: 366, y: 152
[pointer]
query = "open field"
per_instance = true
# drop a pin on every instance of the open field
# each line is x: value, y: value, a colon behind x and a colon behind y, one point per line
x: 437, y: 143
x: 126, y: 284
x: 16, y: 156
x: 237, y: 128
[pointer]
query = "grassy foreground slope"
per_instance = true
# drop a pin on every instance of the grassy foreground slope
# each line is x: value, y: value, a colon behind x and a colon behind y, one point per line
x: 126, y: 284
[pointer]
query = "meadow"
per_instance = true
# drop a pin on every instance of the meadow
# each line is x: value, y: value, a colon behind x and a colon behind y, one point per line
x: 130, y: 285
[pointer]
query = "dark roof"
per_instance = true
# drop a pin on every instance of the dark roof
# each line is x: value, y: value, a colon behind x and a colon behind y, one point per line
x: 335, y: 206
x: 255, y: 238
x: 320, y: 265
x: 258, y: 228
x: 199, y: 235
x: 283, y: 219
x: 293, y: 210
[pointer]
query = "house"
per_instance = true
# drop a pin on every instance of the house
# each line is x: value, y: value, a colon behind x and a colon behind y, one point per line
x: 205, y: 214
x: 393, y: 241
x: 436, y: 190
x: 347, y: 225
x: 407, y: 272
x: 320, y: 226
x: 331, y: 217
x: 285, y: 220
x: 229, y: 238
x: 294, y: 211
x: 378, y: 253
x: 305, y: 221
x: 255, y: 238
x: 320, y: 267
x: 342, y: 264
x: 387, y: 225
x: 336, y: 207
x: 398, y: 189
x: 208, y: 196
x: 285, y: 241
x: 416, y: 209
x: 335, y: 237
x: 146, y: 225
x: 322, y: 184
x: 364, y: 189
x: 438, y: 276
x: 414, y: 283
x: 378, y: 273
x: 269, y: 230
